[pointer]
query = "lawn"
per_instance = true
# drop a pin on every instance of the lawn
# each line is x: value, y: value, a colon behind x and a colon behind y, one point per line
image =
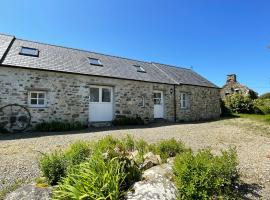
x: 261, y: 118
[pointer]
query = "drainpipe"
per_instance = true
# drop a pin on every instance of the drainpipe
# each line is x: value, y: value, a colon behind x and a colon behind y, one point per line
x: 174, y: 103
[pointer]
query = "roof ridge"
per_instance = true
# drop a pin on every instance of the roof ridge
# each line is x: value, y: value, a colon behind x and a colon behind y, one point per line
x: 5, y: 34
x: 165, y: 73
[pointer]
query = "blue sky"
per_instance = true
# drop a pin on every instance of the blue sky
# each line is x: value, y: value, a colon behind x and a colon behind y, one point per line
x: 215, y: 37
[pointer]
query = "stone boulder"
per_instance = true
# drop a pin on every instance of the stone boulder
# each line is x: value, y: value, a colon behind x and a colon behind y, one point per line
x: 150, y: 160
x: 30, y: 192
x: 156, y: 185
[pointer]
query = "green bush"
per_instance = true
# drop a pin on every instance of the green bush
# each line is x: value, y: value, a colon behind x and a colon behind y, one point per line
x: 124, y: 121
x: 265, y: 96
x: 238, y: 103
x: 59, y: 126
x: 205, y: 176
x: 97, y: 178
x: 169, y: 148
x: 77, y: 153
x: 53, y: 166
x: 262, y: 106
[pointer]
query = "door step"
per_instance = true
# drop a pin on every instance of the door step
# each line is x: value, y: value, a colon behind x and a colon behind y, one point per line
x: 100, y: 124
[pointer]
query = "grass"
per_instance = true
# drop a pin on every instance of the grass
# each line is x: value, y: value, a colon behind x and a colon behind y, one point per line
x: 256, y: 117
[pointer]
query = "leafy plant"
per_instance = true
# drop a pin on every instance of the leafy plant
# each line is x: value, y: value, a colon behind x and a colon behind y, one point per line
x: 262, y: 106
x: 238, y: 103
x: 59, y: 126
x: 265, y: 96
x: 53, y: 166
x: 169, y: 148
x: 78, y: 152
x: 124, y: 121
x: 97, y: 178
x: 205, y: 176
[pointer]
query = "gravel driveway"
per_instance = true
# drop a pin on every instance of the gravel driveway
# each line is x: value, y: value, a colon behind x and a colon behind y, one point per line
x: 19, y: 152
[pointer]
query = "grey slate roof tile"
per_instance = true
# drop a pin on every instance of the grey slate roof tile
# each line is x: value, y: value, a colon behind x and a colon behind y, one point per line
x: 70, y: 60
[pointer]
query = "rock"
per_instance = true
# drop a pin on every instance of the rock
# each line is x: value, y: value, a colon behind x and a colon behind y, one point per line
x: 133, y: 154
x: 156, y: 185
x: 30, y: 192
x: 170, y: 160
x: 150, y: 160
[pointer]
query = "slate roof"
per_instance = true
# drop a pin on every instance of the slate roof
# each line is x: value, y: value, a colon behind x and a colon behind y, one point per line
x: 62, y: 59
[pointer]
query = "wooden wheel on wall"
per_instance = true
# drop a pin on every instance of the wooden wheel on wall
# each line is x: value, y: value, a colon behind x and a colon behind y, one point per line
x: 14, y: 118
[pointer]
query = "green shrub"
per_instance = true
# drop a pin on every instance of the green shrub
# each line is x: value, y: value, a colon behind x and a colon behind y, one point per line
x: 53, y: 166
x: 78, y: 152
x: 205, y: 176
x: 97, y: 178
x: 238, y: 103
x: 265, y: 96
x: 124, y: 121
x: 169, y: 148
x: 262, y: 106
x: 59, y: 126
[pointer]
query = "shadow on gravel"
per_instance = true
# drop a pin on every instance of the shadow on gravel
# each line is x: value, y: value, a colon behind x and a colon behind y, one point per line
x: 31, y: 134
x: 248, y: 191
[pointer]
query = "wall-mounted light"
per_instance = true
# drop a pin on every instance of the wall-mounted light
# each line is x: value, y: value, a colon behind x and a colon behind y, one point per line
x: 171, y: 90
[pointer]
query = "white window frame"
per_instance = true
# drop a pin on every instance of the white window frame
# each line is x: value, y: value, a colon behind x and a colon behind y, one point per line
x: 142, y: 101
x: 37, y: 105
x: 182, y: 100
x: 100, y: 93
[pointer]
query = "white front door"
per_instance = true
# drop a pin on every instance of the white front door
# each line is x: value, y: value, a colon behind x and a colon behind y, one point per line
x: 101, y: 104
x: 158, y: 104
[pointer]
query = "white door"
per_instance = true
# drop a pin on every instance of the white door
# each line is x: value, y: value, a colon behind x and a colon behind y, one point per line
x: 158, y: 104
x: 101, y: 104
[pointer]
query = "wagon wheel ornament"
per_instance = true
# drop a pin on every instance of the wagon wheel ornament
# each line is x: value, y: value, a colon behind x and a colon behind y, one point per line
x: 14, y: 118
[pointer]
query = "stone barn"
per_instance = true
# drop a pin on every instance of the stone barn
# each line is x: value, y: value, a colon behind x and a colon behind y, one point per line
x: 69, y: 85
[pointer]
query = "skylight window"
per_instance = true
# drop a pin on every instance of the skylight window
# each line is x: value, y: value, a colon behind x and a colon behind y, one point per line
x: 139, y: 68
x: 95, y: 61
x: 27, y: 51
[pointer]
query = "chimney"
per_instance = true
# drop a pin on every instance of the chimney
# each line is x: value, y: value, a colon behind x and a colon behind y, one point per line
x: 231, y: 78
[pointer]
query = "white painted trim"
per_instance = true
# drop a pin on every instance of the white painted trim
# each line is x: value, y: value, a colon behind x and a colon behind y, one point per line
x: 37, y: 105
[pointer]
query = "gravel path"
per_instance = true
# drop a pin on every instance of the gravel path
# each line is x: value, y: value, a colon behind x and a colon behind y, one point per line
x: 19, y: 155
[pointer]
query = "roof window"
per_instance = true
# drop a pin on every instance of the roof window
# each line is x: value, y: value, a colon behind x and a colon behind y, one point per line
x: 95, y: 61
x: 27, y: 51
x: 139, y: 68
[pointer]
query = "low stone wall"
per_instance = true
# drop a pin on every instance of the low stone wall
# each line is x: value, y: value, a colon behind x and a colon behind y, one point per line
x: 68, y: 96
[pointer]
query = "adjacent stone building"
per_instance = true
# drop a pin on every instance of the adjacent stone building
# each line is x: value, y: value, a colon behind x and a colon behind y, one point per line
x: 233, y: 86
x: 65, y: 84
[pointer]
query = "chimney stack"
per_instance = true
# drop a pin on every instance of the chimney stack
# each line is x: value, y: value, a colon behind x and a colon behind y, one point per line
x: 231, y: 78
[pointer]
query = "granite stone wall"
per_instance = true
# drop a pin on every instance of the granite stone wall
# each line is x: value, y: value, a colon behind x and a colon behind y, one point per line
x: 68, y: 96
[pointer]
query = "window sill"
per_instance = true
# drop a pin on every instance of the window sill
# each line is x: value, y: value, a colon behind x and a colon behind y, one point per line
x: 31, y: 106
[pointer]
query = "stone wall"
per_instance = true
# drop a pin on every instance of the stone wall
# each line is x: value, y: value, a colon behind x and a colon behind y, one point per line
x: 68, y: 96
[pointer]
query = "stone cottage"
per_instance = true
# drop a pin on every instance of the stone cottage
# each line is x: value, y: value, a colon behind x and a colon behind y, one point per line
x: 66, y: 84
x: 233, y: 86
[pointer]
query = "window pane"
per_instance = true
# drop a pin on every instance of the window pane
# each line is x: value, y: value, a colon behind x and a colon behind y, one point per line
x: 94, y: 61
x: 157, y: 101
x: 29, y: 51
x: 33, y: 101
x: 94, y: 94
x: 106, y: 95
x: 157, y: 95
x: 33, y: 95
x: 141, y: 101
x: 41, y: 102
x: 183, y: 104
x: 41, y: 95
x: 183, y: 97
